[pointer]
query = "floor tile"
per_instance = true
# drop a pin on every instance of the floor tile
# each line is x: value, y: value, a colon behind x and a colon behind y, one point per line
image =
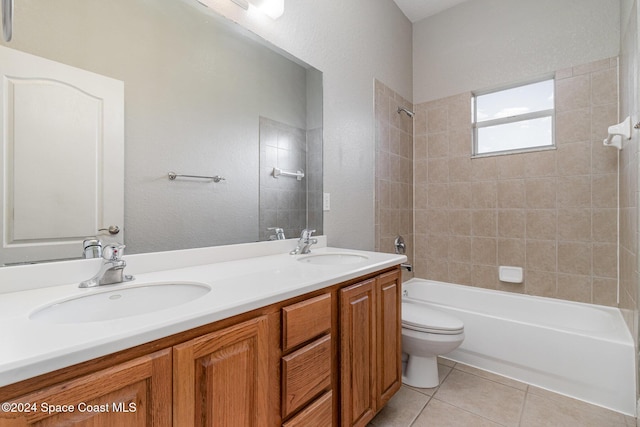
x: 491, y: 376
x: 472, y: 397
x: 555, y: 410
x: 489, y: 399
x: 441, y: 414
x: 402, y: 409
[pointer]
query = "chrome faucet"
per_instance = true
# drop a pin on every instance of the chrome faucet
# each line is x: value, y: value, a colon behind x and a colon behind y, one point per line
x: 278, y: 233
x: 112, y: 268
x: 305, y: 242
x: 91, y: 248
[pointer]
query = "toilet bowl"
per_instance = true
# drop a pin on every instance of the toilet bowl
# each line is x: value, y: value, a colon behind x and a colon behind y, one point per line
x: 427, y: 334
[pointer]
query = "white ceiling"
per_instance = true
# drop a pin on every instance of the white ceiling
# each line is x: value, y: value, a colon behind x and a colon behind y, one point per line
x: 417, y: 10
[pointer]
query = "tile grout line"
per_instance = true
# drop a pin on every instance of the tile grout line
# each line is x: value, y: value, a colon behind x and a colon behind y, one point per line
x: 525, y: 391
x: 412, y: 422
x: 431, y: 397
x: 524, y: 404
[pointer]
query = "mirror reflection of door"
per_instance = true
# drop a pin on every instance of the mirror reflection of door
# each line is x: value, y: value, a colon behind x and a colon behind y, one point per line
x: 70, y: 123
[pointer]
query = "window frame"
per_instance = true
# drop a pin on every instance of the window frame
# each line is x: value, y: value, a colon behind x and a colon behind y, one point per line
x: 551, y: 113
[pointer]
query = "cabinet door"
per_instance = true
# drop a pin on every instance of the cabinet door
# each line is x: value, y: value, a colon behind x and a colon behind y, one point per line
x: 133, y: 393
x: 222, y: 378
x: 389, y: 356
x: 358, y: 353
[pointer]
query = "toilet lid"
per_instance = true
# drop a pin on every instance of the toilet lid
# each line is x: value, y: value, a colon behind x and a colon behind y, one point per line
x: 419, y: 317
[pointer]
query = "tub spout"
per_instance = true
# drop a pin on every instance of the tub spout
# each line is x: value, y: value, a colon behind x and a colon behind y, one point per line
x: 407, y: 266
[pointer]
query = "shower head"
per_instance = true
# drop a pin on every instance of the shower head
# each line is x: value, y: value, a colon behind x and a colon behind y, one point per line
x: 407, y: 112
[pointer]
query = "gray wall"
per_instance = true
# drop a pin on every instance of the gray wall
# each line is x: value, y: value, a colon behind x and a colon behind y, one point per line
x: 352, y: 42
x: 481, y: 44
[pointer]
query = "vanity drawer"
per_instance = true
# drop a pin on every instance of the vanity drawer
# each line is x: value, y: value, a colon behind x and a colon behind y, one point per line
x: 305, y: 320
x: 305, y: 374
x: 318, y: 414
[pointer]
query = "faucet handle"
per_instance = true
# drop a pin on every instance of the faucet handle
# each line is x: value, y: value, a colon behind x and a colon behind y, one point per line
x: 306, y: 233
x: 113, y: 252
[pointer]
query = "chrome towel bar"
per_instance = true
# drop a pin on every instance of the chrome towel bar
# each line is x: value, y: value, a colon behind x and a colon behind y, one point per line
x: 217, y: 178
x: 279, y: 172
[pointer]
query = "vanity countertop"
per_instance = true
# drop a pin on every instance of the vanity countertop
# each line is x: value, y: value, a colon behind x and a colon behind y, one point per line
x: 29, y: 348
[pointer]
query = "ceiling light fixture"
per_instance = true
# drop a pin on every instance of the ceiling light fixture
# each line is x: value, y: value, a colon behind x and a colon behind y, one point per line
x: 7, y: 20
x: 272, y: 8
x: 242, y: 3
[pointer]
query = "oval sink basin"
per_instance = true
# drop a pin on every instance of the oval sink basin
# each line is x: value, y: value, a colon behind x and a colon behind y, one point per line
x: 118, y: 303
x: 333, y: 259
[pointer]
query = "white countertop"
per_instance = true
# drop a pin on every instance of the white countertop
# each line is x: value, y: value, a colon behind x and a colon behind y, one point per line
x: 29, y: 348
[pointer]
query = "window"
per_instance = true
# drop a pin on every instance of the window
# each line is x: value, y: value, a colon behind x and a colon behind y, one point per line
x: 516, y: 119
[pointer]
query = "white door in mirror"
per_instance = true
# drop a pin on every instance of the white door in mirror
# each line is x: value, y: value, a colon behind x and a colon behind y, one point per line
x: 63, y: 144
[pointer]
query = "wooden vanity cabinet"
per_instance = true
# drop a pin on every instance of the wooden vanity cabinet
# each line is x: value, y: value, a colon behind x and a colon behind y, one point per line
x: 370, y: 347
x: 131, y: 394
x: 389, y: 339
x: 275, y: 366
x: 358, y: 353
x: 307, y: 362
x: 222, y: 378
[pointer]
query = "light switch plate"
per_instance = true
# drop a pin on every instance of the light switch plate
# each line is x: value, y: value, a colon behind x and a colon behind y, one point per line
x: 326, y: 201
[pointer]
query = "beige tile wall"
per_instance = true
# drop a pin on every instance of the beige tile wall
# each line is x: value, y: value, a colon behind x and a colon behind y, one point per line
x: 394, y: 170
x: 553, y: 213
x: 629, y: 254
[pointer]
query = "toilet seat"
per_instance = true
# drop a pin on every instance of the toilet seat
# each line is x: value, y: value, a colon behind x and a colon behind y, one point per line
x: 418, y: 317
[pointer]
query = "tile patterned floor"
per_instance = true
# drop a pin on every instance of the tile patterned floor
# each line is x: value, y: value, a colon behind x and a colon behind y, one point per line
x: 471, y: 397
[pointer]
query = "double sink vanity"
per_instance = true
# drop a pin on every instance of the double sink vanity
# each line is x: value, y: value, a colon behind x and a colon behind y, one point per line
x: 244, y: 335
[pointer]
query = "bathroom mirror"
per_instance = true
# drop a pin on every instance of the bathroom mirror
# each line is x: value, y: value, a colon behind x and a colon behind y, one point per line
x: 198, y: 90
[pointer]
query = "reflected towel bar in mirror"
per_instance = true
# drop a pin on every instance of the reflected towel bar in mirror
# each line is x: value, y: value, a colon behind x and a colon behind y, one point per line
x: 217, y: 178
x: 279, y: 172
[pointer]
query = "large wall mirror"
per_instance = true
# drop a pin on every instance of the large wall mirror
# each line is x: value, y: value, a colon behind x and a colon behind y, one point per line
x: 202, y: 96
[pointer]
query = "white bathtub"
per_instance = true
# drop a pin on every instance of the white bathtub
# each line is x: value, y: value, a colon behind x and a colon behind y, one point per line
x: 580, y: 350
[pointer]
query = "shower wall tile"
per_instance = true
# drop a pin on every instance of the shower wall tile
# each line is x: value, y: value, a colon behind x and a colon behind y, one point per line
x: 540, y: 193
x: 510, y: 167
x: 541, y: 224
x: 574, y: 158
x: 394, y: 176
x: 511, y: 193
x: 540, y: 164
x: 511, y: 252
x: 573, y: 93
x: 552, y: 212
x: 605, y: 291
x: 574, y: 225
x: 604, y: 225
x: 574, y: 257
x: 511, y: 224
x: 283, y: 202
x: 570, y: 126
x: 595, y: 66
x: 574, y: 287
x: 604, y: 87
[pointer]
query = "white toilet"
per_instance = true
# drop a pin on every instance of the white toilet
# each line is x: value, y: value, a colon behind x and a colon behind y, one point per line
x: 427, y: 334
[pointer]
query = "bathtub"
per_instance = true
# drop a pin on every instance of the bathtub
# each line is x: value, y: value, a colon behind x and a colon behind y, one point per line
x: 579, y: 350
